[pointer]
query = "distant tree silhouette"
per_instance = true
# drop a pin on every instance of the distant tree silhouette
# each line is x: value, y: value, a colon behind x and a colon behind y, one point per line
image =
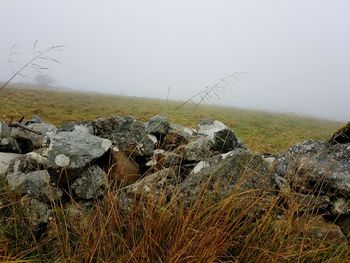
x: 44, y: 79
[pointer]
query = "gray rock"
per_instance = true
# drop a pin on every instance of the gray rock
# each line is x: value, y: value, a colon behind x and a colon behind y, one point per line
x: 316, y: 167
x: 157, y: 125
x: 7, y: 143
x: 126, y: 133
x: 5, y: 160
x: 240, y: 170
x: 161, y: 182
x: 72, y: 151
x: 77, y: 126
x: 34, y: 184
x: 162, y: 159
x: 222, y: 137
x: 157, y: 187
x: 177, y: 135
x: 340, y: 207
x: 26, y: 163
x: 91, y: 183
x: 36, y: 212
x: 198, y: 149
x: 28, y: 141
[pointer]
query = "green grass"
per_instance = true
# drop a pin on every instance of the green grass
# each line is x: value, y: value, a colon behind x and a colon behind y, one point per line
x: 261, y: 131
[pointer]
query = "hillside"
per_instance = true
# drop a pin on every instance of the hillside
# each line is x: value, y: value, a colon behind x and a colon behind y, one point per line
x: 261, y: 131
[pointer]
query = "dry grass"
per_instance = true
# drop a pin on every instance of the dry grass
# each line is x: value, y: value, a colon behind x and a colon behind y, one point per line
x: 246, y: 226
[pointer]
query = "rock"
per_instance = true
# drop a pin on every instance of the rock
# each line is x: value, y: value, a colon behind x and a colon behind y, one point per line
x: 124, y: 169
x: 222, y: 137
x: 78, y: 212
x: 327, y: 232
x: 91, y: 183
x: 5, y: 160
x: 157, y: 125
x: 28, y: 141
x: 197, y: 150
x: 340, y: 206
x: 344, y: 224
x: 7, y: 143
x: 177, y: 135
x: 36, y: 212
x: 316, y: 167
x: 72, y: 151
x: 161, y: 182
x: 26, y: 163
x: 162, y: 159
x: 313, y: 228
x: 240, y: 170
x: 77, y: 126
x: 155, y: 187
x: 126, y: 133
x: 34, y: 184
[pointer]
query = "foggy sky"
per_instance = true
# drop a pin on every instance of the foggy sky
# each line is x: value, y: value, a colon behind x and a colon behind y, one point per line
x: 297, y: 51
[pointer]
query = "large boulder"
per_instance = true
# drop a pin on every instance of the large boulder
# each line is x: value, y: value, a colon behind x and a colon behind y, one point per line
x: 316, y: 167
x: 239, y: 170
x: 222, y: 137
x: 72, y: 151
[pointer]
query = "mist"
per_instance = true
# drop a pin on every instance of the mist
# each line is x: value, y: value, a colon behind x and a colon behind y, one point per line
x: 296, y: 52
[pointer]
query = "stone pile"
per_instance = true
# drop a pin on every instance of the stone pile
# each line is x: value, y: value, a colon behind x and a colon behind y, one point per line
x: 80, y: 161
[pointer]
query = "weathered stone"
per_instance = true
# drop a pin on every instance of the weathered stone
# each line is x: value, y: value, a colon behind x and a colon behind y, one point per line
x: 91, y: 183
x: 161, y: 182
x: 5, y: 160
x: 36, y: 212
x: 73, y: 151
x: 340, y: 206
x: 240, y: 170
x: 34, y: 184
x: 197, y: 150
x: 26, y: 163
x: 162, y: 159
x: 155, y: 187
x: 316, y: 229
x: 321, y: 230
x: 222, y: 137
x: 77, y: 126
x: 28, y: 141
x: 177, y: 135
x: 157, y: 125
x: 316, y: 167
x: 126, y: 133
x: 7, y: 143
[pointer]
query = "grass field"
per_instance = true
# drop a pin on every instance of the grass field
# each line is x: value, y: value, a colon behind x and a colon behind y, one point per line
x: 261, y: 131
x: 210, y: 230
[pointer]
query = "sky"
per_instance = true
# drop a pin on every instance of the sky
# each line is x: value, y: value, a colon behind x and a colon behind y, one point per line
x: 297, y: 52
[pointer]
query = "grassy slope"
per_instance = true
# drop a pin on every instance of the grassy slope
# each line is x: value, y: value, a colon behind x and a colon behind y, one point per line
x: 261, y: 131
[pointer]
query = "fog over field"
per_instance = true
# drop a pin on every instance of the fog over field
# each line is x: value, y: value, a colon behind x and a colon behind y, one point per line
x: 297, y: 52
